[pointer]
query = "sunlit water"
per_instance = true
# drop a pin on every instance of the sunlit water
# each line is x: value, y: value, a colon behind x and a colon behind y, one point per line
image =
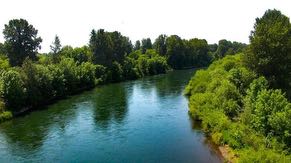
x: 137, y: 121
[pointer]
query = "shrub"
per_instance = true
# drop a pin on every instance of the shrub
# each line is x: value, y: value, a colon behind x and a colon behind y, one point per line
x: 13, y: 91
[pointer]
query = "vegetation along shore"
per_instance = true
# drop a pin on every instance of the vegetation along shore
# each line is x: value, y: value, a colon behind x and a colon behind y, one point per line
x: 29, y: 79
x: 243, y: 100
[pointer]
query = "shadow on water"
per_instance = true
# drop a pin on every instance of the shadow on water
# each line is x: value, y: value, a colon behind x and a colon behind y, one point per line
x: 110, y: 104
x: 28, y: 133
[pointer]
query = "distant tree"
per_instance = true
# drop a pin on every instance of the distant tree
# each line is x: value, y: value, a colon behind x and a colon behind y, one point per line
x: 21, y: 41
x: 212, y: 47
x: 108, y: 47
x: 270, y: 48
x: 175, y: 51
x: 197, y: 53
x: 121, y: 46
x: 137, y: 45
x: 93, y: 41
x: 226, y: 47
x: 146, y: 44
x: 56, y: 48
x: 56, y: 45
x: 160, y: 45
x: 223, y: 47
x: 101, y: 46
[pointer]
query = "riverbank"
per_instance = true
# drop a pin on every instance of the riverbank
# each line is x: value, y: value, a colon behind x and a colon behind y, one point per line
x: 230, y: 100
x: 7, y: 115
x: 223, y: 151
x: 35, y: 84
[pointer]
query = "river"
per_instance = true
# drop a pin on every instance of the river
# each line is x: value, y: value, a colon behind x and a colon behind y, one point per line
x: 145, y: 120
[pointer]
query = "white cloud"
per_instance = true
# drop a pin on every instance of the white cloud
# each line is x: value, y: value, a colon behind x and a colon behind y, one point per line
x: 73, y: 20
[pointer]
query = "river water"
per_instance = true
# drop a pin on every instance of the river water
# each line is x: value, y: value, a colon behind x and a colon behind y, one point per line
x: 145, y: 120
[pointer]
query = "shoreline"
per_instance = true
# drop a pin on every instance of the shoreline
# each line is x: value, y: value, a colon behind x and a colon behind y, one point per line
x: 28, y: 109
x: 223, y: 151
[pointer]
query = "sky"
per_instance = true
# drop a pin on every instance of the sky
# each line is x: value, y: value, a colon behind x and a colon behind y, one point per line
x: 73, y: 20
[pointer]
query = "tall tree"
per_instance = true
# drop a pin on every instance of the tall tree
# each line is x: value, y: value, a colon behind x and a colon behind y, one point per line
x: 93, y: 41
x: 56, y: 48
x: 270, y: 48
x: 56, y: 45
x: 146, y: 44
x: 137, y: 45
x: 121, y: 46
x: 196, y: 53
x: 160, y: 45
x: 101, y: 46
x: 21, y: 41
x: 175, y: 51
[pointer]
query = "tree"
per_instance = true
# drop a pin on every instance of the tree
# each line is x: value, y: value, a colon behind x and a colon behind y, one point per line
x: 146, y: 44
x: 93, y: 41
x: 137, y: 45
x: 108, y: 47
x: 175, y: 51
x: 160, y: 45
x: 56, y: 45
x: 121, y: 46
x: 101, y: 46
x: 226, y: 47
x: 269, y: 53
x: 21, y: 41
x: 196, y: 53
x: 223, y: 47
x: 2, y: 49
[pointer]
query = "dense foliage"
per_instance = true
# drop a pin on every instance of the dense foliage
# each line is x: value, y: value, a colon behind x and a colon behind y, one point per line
x: 237, y: 101
x: 28, y: 79
x: 237, y: 107
x: 270, y: 50
x: 225, y: 47
x: 183, y: 53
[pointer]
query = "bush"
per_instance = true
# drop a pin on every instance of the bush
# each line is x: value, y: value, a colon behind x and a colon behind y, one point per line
x: 268, y: 111
x: 38, y: 83
x: 100, y: 73
x: 87, y: 74
x: 262, y: 155
x: 12, y: 91
x: 116, y: 72
x: 5, y: 116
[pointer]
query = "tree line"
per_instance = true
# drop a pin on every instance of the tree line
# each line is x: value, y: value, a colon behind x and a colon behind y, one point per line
x: 29, y: 79
x: 243, y: 100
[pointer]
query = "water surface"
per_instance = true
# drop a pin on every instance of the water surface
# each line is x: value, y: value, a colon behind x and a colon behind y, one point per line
x: 137, y: 121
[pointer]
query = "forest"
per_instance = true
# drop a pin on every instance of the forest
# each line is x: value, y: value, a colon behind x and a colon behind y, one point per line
x: 243, y: 100
x: 29, y: 79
